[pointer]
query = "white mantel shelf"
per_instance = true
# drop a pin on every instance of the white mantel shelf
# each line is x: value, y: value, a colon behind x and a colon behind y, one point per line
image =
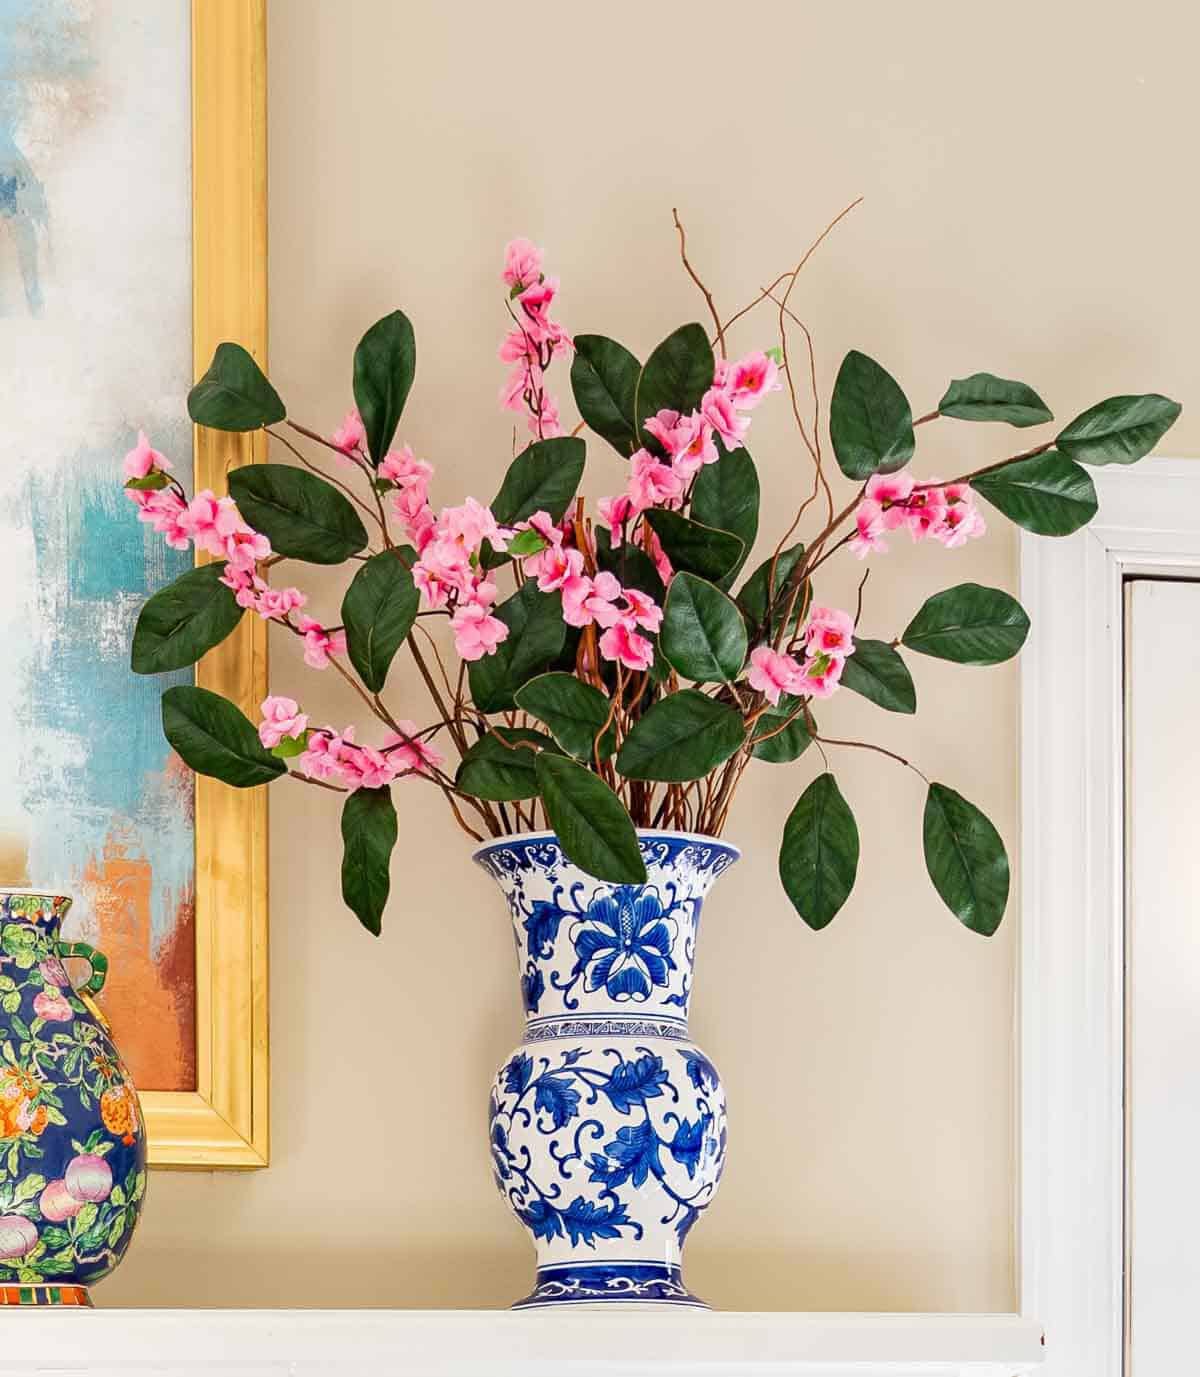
x: 455, y: 1343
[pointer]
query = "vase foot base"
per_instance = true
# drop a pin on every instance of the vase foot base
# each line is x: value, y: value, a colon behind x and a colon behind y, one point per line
x: 43, y: 1293
x: 627, y: 1284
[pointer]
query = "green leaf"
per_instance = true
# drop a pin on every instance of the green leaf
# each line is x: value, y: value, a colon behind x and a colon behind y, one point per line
x: 1120, y: 430
x: 870, y: 421
x: 760, y: 591
x: 703, y: 633
x: 695, y: 548
x: 590, y: 821
x: 604, y: 377
x: 212, y: 736
x: 682, y: 736
x: 1049, y: 494
x: 877, y: 672
x: 970, y: 625
x: 526, y: 543
x: 982, y: 397
x: 966, y: 860
x: 369, y: 831
x: 153, y: 482
x: 543, y: 477
x: 788, y: 742
x: 676, y: 375
x: 500, y: 766
x: 384, y: 364
x: 726, y: 497
x: 536, y: 635
x: 633, y: 568
x: 574, y: 711
x: 818, y: 859
x: 302, y: 515
x: 378, y: 612
x: 184, y: 620
x: 234, y: 394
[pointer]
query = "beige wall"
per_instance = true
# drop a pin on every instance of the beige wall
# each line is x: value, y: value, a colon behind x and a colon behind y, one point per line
x: 1030, y: 210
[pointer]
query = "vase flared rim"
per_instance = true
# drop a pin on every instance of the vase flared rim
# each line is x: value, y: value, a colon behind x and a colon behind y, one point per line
x: 32, y: 892
x: 644, y: 833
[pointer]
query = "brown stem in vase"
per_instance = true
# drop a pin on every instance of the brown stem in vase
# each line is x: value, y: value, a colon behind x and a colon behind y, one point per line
x: 719, y: 337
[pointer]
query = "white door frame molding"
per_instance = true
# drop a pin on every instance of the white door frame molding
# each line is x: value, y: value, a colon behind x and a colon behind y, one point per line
x: 1072, y: 972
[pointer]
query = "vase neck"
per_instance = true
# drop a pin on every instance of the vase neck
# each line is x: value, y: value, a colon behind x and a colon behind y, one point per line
x: 603, y: 959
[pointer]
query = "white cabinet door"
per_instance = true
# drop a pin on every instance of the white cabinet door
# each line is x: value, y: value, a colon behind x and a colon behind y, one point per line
x: 1162, y: 647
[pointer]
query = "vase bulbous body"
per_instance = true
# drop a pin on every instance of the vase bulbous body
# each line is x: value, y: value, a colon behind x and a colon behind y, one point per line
x: 72, y: 1139
x: 607, y: 1123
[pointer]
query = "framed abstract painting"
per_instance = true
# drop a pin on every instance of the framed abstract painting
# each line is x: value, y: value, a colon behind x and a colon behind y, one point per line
x: 132, y: 240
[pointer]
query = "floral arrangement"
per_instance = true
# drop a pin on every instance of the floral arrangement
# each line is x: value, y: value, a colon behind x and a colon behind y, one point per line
x: 614, y: 671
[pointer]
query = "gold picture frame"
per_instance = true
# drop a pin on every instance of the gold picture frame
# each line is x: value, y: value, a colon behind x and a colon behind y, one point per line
x: 224, y: 1122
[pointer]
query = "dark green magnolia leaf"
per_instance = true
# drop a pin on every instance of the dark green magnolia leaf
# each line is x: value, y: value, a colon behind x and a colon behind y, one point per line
x: 966, y: 860
x: 694, y: 548
x: 543, y: 477
x: 574, y: 711
x: 590, y: 821
x: 970, y: 625
x: 631, y: 567
x: 184, y: 620
x: 234, y: 394
x: 982, y: 397
x: 303, y: 516
x: 870, y: 421
x: 1120, y: 430
x: 726, y: 497
x: 378, y: 612
x: 677, y: 375
x: 536, y: 634
x: 682, y: 736
x: 819, y: 856
x: 384, y: 365
x: 703, y: 634
x: 877, y: 672
x: 781, y: 740
x: 369, y: 832
x: 604, y: 376
x: 500, y: 766
x: 769, y: 585
x: 1049, y: 494
x: 213, y: 737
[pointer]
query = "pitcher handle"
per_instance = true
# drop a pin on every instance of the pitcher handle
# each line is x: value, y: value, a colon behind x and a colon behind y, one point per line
x: 96, y: 959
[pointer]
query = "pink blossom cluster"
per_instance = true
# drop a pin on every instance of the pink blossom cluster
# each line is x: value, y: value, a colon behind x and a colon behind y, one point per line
x: 334, y: 756
x: 687, y: 444
x: 947, y: 512
x: 533, y: 340
x: 828, y: 640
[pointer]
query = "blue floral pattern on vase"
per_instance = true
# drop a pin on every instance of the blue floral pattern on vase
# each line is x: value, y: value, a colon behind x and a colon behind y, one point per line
x: 607, y: 1125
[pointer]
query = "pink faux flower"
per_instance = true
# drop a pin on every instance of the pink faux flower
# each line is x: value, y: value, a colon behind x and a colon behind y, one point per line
x: 142, y: 459
x: 244, y: 548
x: 772, y: 674
x: 164, y: 512
x: 535, y: 302
x: 273, y: 604
x: 320, y: 644
x: 404, y: 468
x: 751, y: 378
x: 652, y: 484
x: 281, y: 717
x: 351, y: 434
x: 322, y: 758
x: 468, y: 526
x: 576, y: 589
x: 554, y: 566
x: 662, y: 565
x: 622, y: 643
x: 688, y: 440
x: 643, y: 609
x: 476, y: 632
x: 869, y: 529
x: 615, y: 512
x: 924, y: 511
x: 209, y: 520
x: 821, y: 675
x: 830, y: 632
x: 410, y: 754
x: 363, y: 767
x: 52, y: 1006
x: 522, y: 263
x: 600, y: 602
x: 891, y: 491
x: 962, y: 520
x: 718, y: 410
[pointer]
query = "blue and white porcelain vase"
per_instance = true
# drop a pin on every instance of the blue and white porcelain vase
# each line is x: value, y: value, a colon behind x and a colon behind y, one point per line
x: 607, y: 1122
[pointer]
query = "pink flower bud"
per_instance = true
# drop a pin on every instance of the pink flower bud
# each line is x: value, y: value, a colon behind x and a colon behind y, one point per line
x: 88, y: 1178
x: 57, y: 1203
x: 17, y: 1236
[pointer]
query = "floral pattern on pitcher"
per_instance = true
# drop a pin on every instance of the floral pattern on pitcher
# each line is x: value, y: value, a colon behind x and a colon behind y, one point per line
x: 72, y: 1139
